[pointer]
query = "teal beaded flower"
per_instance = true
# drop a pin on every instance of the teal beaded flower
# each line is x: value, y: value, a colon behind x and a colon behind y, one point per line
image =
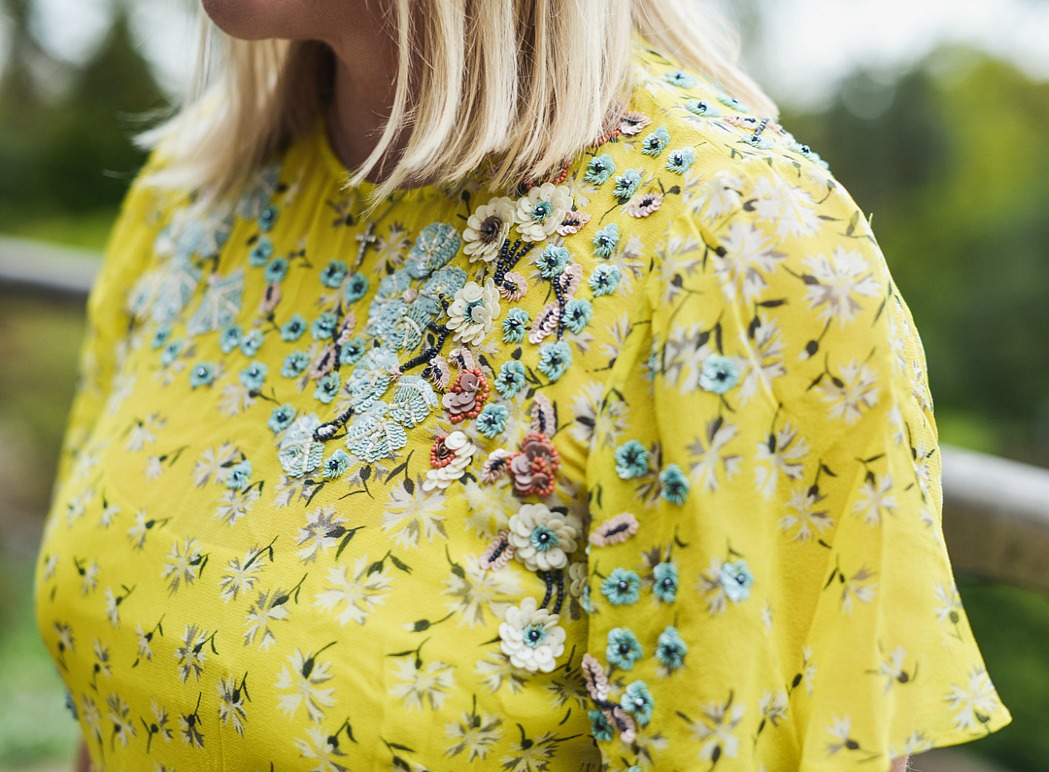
x: 671, y: 649
x: 599, y: 169
x: 621, y: 587
x: 623, y: 649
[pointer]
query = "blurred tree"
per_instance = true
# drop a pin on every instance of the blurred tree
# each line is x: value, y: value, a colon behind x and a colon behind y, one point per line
x: 72, y: 154
x: 106, y: 104
x: 21, y: 106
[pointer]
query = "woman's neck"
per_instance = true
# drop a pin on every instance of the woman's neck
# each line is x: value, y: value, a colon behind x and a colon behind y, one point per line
x: 366, y: 60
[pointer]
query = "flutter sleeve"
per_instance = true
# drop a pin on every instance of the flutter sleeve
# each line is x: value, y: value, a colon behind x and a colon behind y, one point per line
x: 769, y: 585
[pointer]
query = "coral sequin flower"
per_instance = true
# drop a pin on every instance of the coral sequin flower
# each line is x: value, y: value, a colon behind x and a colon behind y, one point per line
x: 534, y: 466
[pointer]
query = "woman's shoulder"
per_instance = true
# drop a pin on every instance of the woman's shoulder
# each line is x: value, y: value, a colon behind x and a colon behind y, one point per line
x: 690, y: 181
x: 729, y: 228
x: 684, y: 153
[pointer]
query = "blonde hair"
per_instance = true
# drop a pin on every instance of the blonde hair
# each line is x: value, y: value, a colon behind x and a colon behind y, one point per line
x: 524, y: 86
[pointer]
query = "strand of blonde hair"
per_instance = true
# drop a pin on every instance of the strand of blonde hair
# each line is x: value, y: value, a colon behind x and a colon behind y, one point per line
x: 525, y: 85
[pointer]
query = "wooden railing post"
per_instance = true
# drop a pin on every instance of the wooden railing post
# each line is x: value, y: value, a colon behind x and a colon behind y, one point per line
x: 996, y: 518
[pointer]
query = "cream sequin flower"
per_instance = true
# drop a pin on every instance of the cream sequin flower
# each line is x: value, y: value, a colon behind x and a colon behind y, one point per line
x: 487, y: 228
x: 542, y: 210
x: 462, y: 451
x: 531, y: 637
x: 577, y: 578
x: 542, y: 539
x: 473, y: 312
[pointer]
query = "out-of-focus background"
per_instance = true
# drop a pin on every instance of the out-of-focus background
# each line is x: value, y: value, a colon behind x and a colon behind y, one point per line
x: 934, y: 113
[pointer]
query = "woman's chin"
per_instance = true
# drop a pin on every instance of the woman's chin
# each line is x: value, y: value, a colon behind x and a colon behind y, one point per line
x: 254, y: 19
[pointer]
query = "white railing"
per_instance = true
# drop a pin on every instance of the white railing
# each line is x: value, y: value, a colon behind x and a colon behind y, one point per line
x: 996, y: 518
x: 996, y: 511
x: 44, y: 269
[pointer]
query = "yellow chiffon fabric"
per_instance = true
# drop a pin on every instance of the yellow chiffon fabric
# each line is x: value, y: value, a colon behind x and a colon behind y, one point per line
x: 664, y: 493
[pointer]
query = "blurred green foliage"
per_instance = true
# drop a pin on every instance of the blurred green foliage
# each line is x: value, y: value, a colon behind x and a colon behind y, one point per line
x: 1012, y: 627
x: 69, y: 153
x: 34, y: 723
x: 38, y: 348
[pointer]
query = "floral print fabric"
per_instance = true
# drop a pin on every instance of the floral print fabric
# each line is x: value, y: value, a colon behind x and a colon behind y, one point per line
x: 634, y: 469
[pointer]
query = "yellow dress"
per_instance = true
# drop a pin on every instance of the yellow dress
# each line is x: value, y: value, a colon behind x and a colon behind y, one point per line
x: 634, y: 469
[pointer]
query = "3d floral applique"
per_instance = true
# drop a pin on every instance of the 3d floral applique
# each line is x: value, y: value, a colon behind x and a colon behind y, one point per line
x: 606, y: 240
x: 681, y: 79
x: 732, y: 102
x: 627, y: 184
x: 554, y: 359
x: 336, y: 464
x: 438, y: 372
x: 531, y: 637
x: 473, y: 312
x: 299, y: 452
x: 541, y: 210
x: 542, y: 539
x: 681, y: 160
x: 702, y: 108
x: 496, y: 465
x: 487, y: 228
x: 671, y: 649
x: 624, y: 649
x: 413, y: 401
x: 515, y: 324
x: 654, y: 143
x: 281, y: 418
x: 513, y: 287
x: 492, y: 420
x: 546, y: 323
x: 599, y: 169
x: 375, y: 434
x: 675, y: 485
x: 736, y: 580
x: 271, y: 298
x: 637, y: 701
x: 609, y: 718
x: 719, y: 374
x: 498, y: 553
x: 616, y: 529
x: 574, y: 222
x: 239, y: 475
x: 631, y: 460
x: 578, y: 577
x: 578, y: 313
x: 203, y: 374
x: 533, y: 468
x: 644, y: 204
x: 466, y: 397
x: 621, y: 587
x: 594, y: 678
x: 632, y: 123
x: 665, y: 582
x: 449, y: 458
x: 551, y: 261
x: 434, y: 248
x: 511, y: 379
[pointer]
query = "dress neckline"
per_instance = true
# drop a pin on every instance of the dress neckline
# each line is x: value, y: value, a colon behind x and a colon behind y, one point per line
x: 320, y: 139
